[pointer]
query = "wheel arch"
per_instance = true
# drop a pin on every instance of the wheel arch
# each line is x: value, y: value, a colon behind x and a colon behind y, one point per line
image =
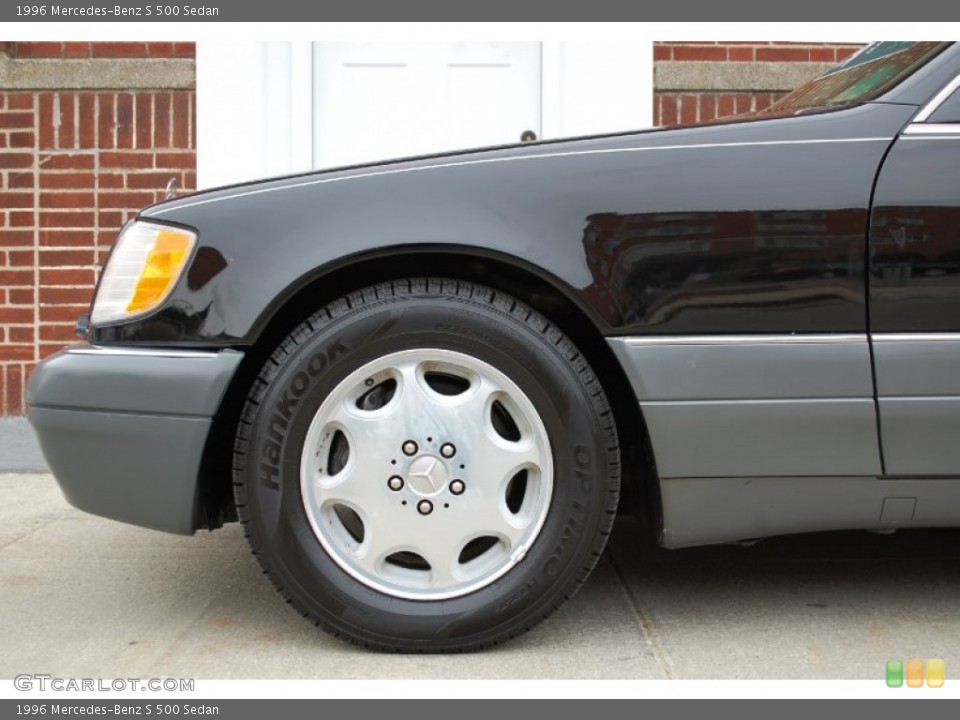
x: 545, y: 293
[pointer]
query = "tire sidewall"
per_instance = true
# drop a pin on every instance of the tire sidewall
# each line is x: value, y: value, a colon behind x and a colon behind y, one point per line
x: 563, y: 551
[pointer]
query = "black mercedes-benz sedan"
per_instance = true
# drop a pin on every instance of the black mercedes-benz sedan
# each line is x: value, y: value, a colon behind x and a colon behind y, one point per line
x: 425, y: 386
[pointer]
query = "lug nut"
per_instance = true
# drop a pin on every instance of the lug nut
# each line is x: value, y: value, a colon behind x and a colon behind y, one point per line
x: 395, y: 483
x: 448, y: 450
x: 457, y: 487
x: 425, y: 507
x: 409, y: 448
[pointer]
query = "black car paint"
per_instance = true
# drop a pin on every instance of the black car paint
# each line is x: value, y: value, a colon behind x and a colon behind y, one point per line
x: 740, y: 228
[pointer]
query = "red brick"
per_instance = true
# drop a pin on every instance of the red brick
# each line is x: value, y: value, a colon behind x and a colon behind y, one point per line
x: 17, y: 352
x: 105, y: 238
x: 844, y: 53
x: 10, y: 160
x: 699, y: 54
x: 742, y: 103
x: 22, y: 139
x: 21, y: 258
x: 160, y: 49
x: 20, y: 335
x: 126, y: 160
x: 740, y: 54
x: 56, y: 276
x: 669, y: 113
x: 16, y: 120
x: 688, y: 109
x: 28, y: 50
x: 48, y: 349
x: 16, y: 238
x: 48, y: 137
x: 189, y: 181
x: 66, y: 181
x: 144, y: 129
x: 20, y: 181
x: 65, y: 296
x: 20, y: 101
x: 16, y: 315
x: 111, y: 181
x: 76, y: 50
x: 67, y: 161
x: 725, y: 105
x: 708, y: 107
x: 66, y: 219
x: 66, y: 258
x: 823, y: 54
x: 182, y: 122
x: 58, y: 333
x: 110, y: 219
x: 661, y: 52
x: 107, y: 121
x: 15, y: 382
x: 119, y: 50
x: 20, y: 219
x: 66, y: 139
x: 177, y: 160
x: 125, y: 120
x: 87, y: 132
x: 184, y: 50
x: 66, y: 200
x: 21, y: 296
x: 61, y: 313
x: 16, y: 199
x: 148, y: 181
x: 161, y: 120
x: 68, y: 238
x: 125, y: 199
x: 16, y: 278
x: 783, y: 54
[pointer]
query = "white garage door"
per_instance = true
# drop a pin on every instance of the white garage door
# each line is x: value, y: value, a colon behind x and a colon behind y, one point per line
x: 373, y: 101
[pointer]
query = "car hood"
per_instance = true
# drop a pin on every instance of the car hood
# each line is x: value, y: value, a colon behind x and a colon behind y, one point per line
x: 750, y: 130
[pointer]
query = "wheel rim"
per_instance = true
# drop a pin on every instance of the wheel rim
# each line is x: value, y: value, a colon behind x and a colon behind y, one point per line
x: 427, y: 474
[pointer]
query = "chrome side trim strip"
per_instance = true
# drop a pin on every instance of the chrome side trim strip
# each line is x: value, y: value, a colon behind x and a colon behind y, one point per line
x: 103, y: 350
x: 489, y: 161
x: 915, y: 337
x: 925, y: 131
x: 931, y: 107
x: 825, y: 339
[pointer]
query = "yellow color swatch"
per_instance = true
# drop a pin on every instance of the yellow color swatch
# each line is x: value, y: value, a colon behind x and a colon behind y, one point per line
x: 935, y: 673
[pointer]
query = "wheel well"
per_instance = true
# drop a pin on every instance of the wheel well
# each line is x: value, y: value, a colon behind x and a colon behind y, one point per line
x: 640, y: 491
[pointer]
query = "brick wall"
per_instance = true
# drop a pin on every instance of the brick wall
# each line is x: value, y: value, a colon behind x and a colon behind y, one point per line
x: 701, y: 81
x: 76, y: 161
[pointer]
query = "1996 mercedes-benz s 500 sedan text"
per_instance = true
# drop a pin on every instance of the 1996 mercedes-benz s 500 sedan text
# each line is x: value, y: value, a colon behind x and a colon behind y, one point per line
x: 421, y: 385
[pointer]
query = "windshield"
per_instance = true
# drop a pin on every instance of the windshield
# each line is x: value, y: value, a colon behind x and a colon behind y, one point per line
x: 862, y: 77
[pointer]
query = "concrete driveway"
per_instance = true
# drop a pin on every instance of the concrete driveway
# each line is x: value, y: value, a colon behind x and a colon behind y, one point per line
x: 82, y: 596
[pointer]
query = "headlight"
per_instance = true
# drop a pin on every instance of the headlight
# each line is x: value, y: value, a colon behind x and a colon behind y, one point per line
x: 144, y: 266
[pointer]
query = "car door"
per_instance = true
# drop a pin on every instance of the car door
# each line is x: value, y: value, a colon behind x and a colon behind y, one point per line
x: 915, y: 293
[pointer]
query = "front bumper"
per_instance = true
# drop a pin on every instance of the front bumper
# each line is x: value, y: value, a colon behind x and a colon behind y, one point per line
x: 123, y: 430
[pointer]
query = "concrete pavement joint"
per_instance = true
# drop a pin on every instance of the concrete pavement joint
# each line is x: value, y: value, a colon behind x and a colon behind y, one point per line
x: 646, y: 626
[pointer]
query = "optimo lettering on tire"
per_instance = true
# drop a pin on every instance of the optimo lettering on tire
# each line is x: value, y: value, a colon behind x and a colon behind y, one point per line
x: 427, y: 465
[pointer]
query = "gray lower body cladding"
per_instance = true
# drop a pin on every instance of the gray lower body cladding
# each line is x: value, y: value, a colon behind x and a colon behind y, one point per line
x: 765, y: 435
x: 124, y: 431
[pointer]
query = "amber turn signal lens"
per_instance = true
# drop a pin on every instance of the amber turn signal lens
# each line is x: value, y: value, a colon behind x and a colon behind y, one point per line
x: 161, y: 269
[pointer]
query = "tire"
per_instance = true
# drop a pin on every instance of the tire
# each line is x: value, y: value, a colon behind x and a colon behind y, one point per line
x: 427, y: 466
